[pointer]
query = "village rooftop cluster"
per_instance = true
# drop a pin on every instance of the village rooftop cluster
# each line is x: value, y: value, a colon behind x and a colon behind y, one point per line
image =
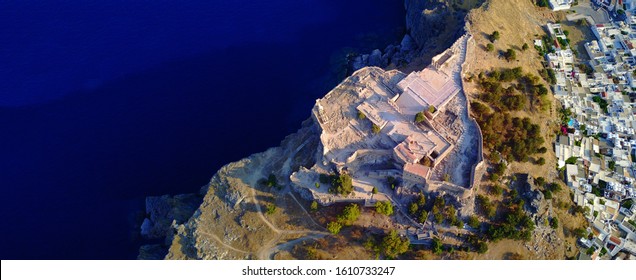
x: 596, y: 149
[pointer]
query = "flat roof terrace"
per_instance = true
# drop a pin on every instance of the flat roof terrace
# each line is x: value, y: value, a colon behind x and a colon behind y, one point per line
x: 424, y: 88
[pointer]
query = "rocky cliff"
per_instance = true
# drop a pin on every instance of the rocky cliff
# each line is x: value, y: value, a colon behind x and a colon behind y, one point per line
x: 247, y: 205
x: 428, y: 19
x: 431, y: 27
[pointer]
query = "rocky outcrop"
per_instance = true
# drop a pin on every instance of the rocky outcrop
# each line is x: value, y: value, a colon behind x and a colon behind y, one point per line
x: 431, y: 25
x: 398, y: 55
x: 426, y: 19
x: 162, y: 214
x: 532, y: 195
x: 162, y: 211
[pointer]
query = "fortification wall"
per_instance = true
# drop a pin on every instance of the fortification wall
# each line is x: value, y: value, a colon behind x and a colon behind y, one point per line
x: 476, y: 168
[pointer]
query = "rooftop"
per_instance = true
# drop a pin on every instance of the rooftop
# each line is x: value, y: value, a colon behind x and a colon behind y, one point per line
x: 424, y: 88
x: 417, y: 169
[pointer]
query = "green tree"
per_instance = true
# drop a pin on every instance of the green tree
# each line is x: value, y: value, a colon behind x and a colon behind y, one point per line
x: 554, y: 223
x: 473, y: 222
x: 458, y: 223
x: 525, y: 46
x: 547, y: 194
x: 494, y: 36
x: 422, y: 217
x: 374, y: 190
x: 494, y: 177
x: 580, y: 232
x: 539, y: 181
x: 510, y: 55
x: 482, y: 247
x: 314, y: 206
x: 486, y: 206
x: 421, y: 200
x: 419, y: 117
x: 342, y: 184
x: 440, y: 203
x: 384, y: 207
x: 361, y: 116
x: 375, y: 129
x: 431, y: 109
x: 349, y: 214
x: 270, y: 209
x: 447, y: 177
x: 436, y: 246
x: 490, y: 47
x: 439, y: 218
x: 541, y: 161
x: 394, y: 245
x: 413, y: 208
x: 553, y: 187
x: 496, y: 189
x: 334, y: 227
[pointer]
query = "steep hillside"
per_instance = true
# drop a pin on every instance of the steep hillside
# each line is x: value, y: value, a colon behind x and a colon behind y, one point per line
x: 520, y: 22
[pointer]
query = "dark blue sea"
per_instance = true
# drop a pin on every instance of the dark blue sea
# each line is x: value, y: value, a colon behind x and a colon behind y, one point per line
x: 103, y: 103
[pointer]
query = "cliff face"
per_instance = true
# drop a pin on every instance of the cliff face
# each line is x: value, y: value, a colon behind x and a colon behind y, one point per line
x: 248, y: 208
x: 435, y: 24
x: 425, y: 19
x: 432, y: 26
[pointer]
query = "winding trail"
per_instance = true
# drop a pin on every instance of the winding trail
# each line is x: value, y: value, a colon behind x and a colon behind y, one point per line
x: 217, y: 239
x: 271, y: 247
x: 271, y: 251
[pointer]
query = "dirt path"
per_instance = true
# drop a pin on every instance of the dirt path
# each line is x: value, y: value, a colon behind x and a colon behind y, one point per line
x: 271, y: 251
x: 304, y: 210
x: 217, y: 239
x: 270, y: 248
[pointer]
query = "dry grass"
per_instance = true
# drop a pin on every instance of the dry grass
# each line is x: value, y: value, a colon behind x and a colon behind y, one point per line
x: 579, y: 34
x: 519, y: 22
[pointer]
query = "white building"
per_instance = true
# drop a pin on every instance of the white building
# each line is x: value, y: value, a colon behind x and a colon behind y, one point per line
x: 558, y: 5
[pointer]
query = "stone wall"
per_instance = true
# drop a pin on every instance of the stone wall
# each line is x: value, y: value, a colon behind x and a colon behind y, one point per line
x: 476, y: 168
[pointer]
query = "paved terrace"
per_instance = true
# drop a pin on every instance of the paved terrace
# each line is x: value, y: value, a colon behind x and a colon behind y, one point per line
x: 424, y: 88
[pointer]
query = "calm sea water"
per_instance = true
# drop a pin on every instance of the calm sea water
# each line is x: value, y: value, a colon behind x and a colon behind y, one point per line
x: 105, y: 102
